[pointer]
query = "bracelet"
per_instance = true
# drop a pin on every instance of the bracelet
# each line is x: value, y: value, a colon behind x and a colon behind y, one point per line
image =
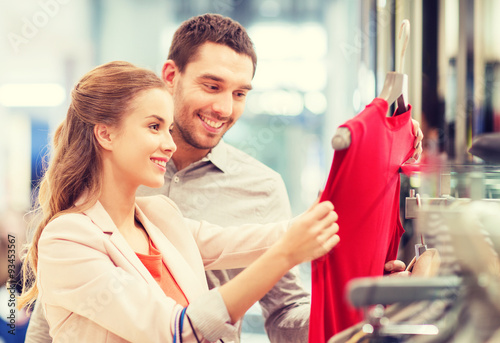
x: 192, y: 328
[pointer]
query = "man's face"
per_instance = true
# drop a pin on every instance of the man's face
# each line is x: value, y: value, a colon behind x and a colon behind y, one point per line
x: 210, y: 95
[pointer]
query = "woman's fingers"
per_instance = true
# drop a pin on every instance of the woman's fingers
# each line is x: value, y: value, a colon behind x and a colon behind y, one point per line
x: 324, y: 243
x: 319, y: 212
x: 325, y: 232
x: 329, y: 231
x: 313, y: 233
x: 330, y: 243
x: 324, y: 219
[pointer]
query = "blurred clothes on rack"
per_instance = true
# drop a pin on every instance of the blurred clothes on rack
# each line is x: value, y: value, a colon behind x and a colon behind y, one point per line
x: 467, y: 235
x: 487, y: 147
x: 364, y: 187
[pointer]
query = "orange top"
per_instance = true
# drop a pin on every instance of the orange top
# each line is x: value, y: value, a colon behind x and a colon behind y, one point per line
x: 154, y: 263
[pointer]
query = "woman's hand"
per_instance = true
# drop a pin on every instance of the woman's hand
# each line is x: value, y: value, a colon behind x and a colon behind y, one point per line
x: 311, y: 235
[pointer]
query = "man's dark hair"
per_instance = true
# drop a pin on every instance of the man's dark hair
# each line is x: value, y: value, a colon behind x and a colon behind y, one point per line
x: 215, y: 28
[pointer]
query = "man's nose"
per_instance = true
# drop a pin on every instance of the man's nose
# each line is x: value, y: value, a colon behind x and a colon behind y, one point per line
x: 223, y: 104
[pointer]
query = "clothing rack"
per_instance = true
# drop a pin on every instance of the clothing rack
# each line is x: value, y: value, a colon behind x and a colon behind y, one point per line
x: 398, y: 308
x: 414, y: 201
x: 411, y: 204
x: 364, y: 292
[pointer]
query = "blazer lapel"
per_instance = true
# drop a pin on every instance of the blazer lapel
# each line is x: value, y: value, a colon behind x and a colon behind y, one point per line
x: 182, y: 271
x: 101, y: 218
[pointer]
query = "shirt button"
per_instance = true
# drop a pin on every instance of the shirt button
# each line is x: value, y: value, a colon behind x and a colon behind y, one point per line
x: 176, y: 179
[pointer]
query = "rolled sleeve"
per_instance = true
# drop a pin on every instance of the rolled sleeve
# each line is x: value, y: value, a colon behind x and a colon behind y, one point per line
x: 210, y: 317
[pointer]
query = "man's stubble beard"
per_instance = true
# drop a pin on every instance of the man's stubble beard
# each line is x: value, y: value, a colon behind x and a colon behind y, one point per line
x: 187, y: 130
x: 187, y: 126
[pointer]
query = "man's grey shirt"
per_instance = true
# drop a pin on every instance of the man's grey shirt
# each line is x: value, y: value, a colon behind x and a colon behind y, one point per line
x: 229, y: 187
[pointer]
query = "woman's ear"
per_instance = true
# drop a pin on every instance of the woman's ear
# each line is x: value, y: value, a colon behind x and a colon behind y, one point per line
x: 103, y: 135
x: 168, y: 74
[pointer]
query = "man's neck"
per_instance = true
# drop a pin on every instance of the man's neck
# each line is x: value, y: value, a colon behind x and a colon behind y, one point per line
x: 186, y: 154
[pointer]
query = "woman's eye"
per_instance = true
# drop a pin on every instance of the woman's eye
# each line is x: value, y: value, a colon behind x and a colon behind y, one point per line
x: 154, y: 126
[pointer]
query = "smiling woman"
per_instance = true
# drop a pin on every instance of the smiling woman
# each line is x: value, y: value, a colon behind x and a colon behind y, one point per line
x: 106, y: 266
x: 142, y: 140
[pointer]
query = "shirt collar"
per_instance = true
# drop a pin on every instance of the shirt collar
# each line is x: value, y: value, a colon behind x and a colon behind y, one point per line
x: 218, y: 156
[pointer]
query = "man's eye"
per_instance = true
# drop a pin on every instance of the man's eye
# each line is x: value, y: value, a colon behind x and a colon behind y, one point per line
x: 211, y: 87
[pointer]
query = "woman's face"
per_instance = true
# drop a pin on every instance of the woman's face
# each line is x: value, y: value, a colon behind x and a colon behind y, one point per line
x: 143, y: 145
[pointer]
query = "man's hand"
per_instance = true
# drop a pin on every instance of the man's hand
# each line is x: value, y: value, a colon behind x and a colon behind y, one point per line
x: 427, y: 264
x: 417, y: 144
x: 396, y: 268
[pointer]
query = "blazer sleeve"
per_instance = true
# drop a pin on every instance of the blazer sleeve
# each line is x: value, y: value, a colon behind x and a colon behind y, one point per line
x: 77, y: 276
x: 38, y: 328
x: 234, y: 246
x: 219, y: 247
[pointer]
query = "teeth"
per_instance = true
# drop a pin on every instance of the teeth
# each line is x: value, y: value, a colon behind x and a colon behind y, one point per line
x: 211, y: 123
x: 160, y: 162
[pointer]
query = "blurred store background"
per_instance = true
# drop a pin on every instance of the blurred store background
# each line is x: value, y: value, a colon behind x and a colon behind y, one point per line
x: 319, y: 63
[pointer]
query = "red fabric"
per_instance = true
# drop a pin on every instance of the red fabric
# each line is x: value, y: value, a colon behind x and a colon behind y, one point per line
x: 363, y: 185
x: 155, y: 265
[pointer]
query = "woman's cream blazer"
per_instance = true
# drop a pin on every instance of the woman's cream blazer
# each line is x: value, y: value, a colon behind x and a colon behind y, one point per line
x: 93, y: 287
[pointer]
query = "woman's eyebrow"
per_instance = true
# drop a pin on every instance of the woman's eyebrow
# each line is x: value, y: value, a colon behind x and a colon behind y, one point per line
x: 157, y: 117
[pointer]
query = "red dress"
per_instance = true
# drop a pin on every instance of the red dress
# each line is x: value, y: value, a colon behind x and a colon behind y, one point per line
x: 363, y: 185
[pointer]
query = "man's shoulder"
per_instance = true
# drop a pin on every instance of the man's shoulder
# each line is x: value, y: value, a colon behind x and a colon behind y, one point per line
x: 238, y: 160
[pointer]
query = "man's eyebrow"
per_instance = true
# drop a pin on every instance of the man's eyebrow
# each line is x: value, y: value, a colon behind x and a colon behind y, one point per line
x: 220, y: 79
x: 157, y: 117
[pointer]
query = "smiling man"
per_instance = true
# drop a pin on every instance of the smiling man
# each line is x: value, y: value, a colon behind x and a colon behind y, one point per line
x: 209, y: 97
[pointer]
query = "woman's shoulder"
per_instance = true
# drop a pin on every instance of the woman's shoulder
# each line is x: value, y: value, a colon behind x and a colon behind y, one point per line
x: 75, y: 218
x: 69, y: 226
x: 162, y: 212
x: 158, y: 201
